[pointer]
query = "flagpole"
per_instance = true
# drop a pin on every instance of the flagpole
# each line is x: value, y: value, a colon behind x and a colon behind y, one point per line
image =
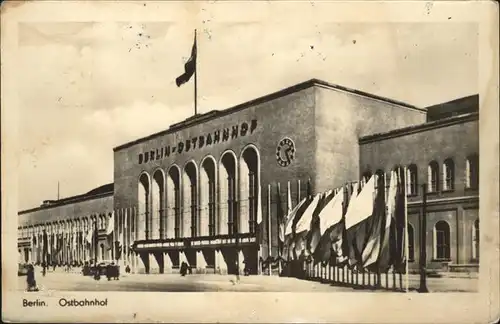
x: 195, y: 76
x: 269, y: 247
x: 279, y: 229
x: 407, y: 247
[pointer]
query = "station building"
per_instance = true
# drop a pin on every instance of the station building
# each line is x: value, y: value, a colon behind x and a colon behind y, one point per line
x: 196, y: 192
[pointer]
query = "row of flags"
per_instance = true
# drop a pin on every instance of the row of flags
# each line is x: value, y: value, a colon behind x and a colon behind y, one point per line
x: 360, y: 225
x: 53, y: 243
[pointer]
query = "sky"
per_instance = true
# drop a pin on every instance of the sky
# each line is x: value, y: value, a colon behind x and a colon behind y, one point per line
x: 85, y: 87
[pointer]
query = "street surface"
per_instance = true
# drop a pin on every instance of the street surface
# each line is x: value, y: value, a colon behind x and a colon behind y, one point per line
x: 63, y: 281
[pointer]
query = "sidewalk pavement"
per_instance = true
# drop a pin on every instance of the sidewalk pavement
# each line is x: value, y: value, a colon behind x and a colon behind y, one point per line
x: 276, y: 283
x: 443, y: 284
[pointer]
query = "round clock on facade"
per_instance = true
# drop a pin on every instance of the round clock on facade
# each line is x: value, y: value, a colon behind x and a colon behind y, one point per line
x: 285, y: 152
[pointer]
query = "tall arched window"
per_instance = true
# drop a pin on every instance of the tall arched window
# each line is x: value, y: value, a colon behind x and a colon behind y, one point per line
x: 174, y: 203
x: 207, y: 197
x: 249, y: 188
x: 442, y: 241
x: 144, y: 207
x: 411, y: 243
x: 433, y: 176
x: 227, y: 184
x: 448, y: 174
x: 190, y: 184
x: 411, y: 180
x: 472, y: 172
x: 157, y: 215
x: 475, y: 240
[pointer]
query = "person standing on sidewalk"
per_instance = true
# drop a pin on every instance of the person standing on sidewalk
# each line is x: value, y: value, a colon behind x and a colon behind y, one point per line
x: 30, y: 278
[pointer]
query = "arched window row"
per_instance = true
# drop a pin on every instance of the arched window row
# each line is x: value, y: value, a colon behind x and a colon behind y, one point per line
x: 205, y: 199
x: 438, y: 177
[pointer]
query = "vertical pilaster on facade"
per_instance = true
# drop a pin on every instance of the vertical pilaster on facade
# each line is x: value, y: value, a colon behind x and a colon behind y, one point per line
x: 241, y: 262
x: 182, y: 258
x: 167, y: 263
x: 201, y: 263
x: 461, y: 235
x: 220, y: 263
x: 135, y: 263
x: 154, y: 267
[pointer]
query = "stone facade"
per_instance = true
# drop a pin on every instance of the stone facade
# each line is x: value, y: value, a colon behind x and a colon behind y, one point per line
x: 67, y: 223
x: 190, y: 193
x: 453, y: 139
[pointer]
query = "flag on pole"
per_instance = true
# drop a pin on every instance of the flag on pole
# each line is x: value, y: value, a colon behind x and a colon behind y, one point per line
x: 281, y: 216
x: 259, y: 206
x: 289, y: 199
x: 388, y: 234
x: 292, y: 218
x: 304, y: 223
x: 45, y: 242
x: 357, y: 220
x: 74, y: 239
x: 380, y: 224
x: 329, y: 217
x: 189, y: 66
x: 314, y: 235
x: 111, y: 224
x: 90, y: 235
x: 400, y: 218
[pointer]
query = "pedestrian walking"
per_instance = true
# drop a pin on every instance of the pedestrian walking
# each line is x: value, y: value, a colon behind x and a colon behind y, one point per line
x: 184, y: 267
x: 30, y: 278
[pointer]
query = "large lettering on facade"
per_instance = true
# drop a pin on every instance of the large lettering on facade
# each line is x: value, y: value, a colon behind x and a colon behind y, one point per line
x: 198, y: 142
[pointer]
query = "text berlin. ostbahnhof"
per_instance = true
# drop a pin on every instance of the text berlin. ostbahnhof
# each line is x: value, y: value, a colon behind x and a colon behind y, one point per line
x: 182, y: 194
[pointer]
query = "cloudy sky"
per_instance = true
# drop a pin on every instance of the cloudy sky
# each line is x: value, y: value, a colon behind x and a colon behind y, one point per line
x: 86, y: 87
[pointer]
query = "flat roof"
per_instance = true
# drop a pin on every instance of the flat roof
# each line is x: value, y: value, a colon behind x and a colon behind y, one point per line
x: 440, y: 123
x: 194, y: 120
x: 99, y: 192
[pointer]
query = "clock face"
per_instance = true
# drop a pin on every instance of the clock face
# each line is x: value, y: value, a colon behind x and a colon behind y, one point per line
x: 285, y: 152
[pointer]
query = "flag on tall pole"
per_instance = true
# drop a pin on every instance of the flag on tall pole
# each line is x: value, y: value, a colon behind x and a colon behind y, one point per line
x: 259, y: 205
x: 407, y: 247
x: 111, y: 224
x: 281, y: 217
x: 269, y: 227
x: 388, y: 234
x: 44, y: 246
x: 281, y: 227
x: 357, y: 219
x: 189, y: 71
x: 330, y: 228
x: 380, y: 224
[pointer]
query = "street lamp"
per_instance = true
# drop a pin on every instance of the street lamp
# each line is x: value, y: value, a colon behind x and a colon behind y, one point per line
x: 423, y: 243
x: 236, y: 231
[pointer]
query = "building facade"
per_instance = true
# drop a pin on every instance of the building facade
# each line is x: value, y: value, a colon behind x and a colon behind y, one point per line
x: 444, y: 155
x: 56, y: 232
x: 191, y: 193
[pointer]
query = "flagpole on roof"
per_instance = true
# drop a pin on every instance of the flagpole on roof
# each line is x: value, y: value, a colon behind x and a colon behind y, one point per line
x: 195, y: 77
x: 189, y: 71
